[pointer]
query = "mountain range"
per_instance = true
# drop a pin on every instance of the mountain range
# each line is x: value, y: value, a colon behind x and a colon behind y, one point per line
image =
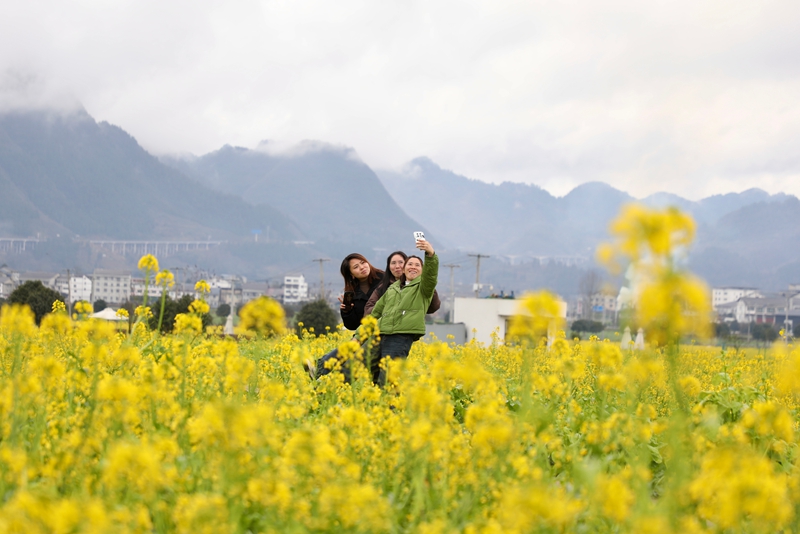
x: 750, y: 238
x: 70, y: 174
x: 67, y: 175
x: 333, y: 197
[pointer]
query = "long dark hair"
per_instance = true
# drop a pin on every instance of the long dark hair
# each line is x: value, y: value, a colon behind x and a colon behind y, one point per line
x: 350, y: 282
x: 388, y: 278
x: 403, y: 277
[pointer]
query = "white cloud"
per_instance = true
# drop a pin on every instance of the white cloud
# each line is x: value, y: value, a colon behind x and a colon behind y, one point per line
x: 693, y: 97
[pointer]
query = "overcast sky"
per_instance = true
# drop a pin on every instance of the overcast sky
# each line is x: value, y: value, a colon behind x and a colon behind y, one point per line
x: 693, y: 97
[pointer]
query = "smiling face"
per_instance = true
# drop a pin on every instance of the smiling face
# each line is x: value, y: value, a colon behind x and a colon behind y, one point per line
x: 396, y: 265
x: 412, y: 269
x: 359, y: 269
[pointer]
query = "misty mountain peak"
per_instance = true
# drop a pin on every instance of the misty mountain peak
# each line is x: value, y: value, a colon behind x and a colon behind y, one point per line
x: 591, y: 189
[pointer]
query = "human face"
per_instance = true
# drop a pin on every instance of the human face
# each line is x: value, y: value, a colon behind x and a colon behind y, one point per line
x: 359, y: 269
x: 413, y: 268
x: 396, y: 265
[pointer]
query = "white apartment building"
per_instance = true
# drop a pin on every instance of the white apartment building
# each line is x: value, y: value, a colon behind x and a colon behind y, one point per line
x: 80, y: 288
x: 74, y: 288
x: 295, y: 289
x: 726, y: 295
x: 114, y: 287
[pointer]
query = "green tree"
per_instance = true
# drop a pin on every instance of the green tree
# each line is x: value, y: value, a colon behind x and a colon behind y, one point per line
x: 316, y: 315
x: 36, y: 295
x: 722, y: 330
x: 585, y: 325
x: 764, y: 332
x: 223, y: 310
x: 291, y: 310
x: 99, y: 305
x: 171, y: 309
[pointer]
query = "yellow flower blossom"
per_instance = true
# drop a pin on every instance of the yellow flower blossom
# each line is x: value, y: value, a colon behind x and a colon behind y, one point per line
x: 148, y: 263
x: 202, y: 287
x: 262, y: 316
x: 143, y: 311
x: 82, y: 307
x: 165, y: 279
x: 199, y: 306
x: 188, y: 324
x: 539, y: 315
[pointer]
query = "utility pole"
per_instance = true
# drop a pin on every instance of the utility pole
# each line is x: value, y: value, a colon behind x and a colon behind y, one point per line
x: 321, y: 277
x: 452, y: 266
x: 69, y: 294
x: 478, y: 271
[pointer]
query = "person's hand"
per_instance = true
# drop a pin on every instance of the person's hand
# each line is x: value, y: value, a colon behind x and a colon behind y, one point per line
x: 341, y: 302
x: 426, y: 246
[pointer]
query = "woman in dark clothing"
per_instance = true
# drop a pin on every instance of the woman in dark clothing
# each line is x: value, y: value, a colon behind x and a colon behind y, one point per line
x: 361, y: 278
x: 395, y: 264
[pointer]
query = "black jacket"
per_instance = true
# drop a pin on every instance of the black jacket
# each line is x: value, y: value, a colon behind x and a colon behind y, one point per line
x: 352, y: 318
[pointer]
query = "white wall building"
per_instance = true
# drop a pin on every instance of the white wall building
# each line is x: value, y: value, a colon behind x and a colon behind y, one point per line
x: 114, y: 287
x: 726, y: 295
x: 80, y: 288
x: 481, y: 317
x: 295, y: 289
x: 74, y: 288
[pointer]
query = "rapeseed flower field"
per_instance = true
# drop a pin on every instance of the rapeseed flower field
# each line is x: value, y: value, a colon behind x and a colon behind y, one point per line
x: 108, y: 431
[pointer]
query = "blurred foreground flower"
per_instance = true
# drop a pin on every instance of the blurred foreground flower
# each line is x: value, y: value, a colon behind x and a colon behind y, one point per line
x: 82, y: 308
x: 538, y: 315
x: 261, y: 317
x: 668, y: 300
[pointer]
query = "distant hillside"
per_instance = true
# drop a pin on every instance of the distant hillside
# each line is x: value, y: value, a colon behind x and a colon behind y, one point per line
x: 68, y: 174
x: 509, y: 218
x: 710, y: 210
x: 332, y: 196
x: 749, y: 238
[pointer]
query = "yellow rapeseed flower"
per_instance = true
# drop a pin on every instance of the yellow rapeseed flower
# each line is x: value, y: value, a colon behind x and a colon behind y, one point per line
x: 539, y: 314
x: 165, y: 279
x: 734, y: 485
x: 188, y: 323
x: 82, y: 308
x: 202, y: 287
x: 199, y: 306
x: 143, y: 311
x: 262, y: 316
x: 148, y: 263
x: 17, y: 319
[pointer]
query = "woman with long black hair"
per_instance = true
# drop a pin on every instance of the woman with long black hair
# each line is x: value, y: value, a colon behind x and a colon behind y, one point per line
x: 360, y: 279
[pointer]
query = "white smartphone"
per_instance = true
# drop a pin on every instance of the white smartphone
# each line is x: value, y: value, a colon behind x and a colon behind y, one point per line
x: 419, y: 236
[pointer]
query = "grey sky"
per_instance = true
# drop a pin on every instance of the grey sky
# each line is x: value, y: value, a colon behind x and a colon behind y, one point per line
x: 692, y: 97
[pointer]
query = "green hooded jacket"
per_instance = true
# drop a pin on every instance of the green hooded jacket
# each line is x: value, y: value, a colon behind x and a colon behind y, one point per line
x: 402, y: 310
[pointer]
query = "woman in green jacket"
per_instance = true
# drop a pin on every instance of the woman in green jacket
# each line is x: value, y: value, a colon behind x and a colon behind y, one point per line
x: 401, y: 310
